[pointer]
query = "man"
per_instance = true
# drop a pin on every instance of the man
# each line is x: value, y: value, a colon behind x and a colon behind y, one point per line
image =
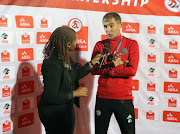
x: 114, y: 95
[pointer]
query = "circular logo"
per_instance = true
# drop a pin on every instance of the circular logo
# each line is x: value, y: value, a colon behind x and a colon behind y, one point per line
x: 75, y: 24
x: 98, y: 112
x: 172, y: 5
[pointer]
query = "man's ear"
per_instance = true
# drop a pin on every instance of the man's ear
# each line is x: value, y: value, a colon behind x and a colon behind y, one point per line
x: 120, y: 25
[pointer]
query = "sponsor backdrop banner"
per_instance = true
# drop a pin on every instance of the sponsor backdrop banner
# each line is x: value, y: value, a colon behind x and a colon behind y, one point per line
x: 25, y: 27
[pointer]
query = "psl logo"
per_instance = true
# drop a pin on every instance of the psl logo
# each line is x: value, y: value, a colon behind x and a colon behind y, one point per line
x: 172, y: 5
x: 151, y: 72
x: 6, y: 73
x: 75, y: 24
x: 150, y: 100
x: 4, y: 37
x: 6, y: 108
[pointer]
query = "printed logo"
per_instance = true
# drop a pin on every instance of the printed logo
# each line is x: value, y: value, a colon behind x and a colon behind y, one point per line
x: 172, y: 73
x: 151, y: 43
x: 26, y: 104
x: 103, y: 37
x: 25, y: 87
x: 128, y: 27
x: 4, y: 39
x: 25, y: 54
x: 6, y: 73
x: 151, y: 57
x: 25, y: 120
x: 3, y: 21
x: 172, y: 102
x: 151, y: 86
x: 173, y: 44
x: 5, y: 56
x: 171, y: 87
x: 151, y: 29
x: 75, y: 24
x: 171, y: 116
x: 171, y: 29
x: 6, y: 109
x: 172, y: 5
x: 150, y: 115
x: 6, y: 91
x: 44, y: 23
x: 24, y: 21
x: 135, y: 85
x: 151, y: 71
x: 39, y: 69
x: 25, y: 71
x: 150, y: 100
x: 43, y: 37
x: 172, y: 58
x: 82, y: 34
x: 6, y: 126
x: 98, y: 112
x: 136, y: 113
x: 129, y: 118
x: 25, y: 38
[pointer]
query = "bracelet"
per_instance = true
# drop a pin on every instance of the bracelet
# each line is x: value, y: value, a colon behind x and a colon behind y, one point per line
x: 91, y: 63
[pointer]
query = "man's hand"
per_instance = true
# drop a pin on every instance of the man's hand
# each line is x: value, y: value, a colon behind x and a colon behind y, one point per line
x: 117, y: 61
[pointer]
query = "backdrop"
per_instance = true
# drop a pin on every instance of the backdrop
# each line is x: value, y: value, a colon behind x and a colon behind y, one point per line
x: 25, y: 27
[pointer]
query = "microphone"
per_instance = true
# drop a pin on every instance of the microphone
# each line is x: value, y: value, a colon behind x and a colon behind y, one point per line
x: 106, y: 50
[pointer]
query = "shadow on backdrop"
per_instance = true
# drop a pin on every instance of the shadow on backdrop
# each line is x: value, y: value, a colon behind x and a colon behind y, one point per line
x: 82, y: 115
x: 27, y: 91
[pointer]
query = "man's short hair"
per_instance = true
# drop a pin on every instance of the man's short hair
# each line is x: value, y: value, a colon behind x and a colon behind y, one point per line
x: 112, y: 15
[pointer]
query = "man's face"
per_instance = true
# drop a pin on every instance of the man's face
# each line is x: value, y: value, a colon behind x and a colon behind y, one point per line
x: 112, y: 28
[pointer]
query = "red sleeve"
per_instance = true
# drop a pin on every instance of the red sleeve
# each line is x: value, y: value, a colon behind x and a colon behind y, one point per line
x: 131, y: 68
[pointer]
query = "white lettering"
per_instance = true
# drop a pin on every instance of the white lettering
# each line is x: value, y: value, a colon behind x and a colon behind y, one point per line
x: 116, y: 2
x: 172, y: 118
x: 128, y: 2
x: 96, y: 1
x: 43, y: 40
x: 173, y: 60
x: 81, y: 41
x: 135, y: 2
x: 172, y: 89
x: 25, y: 57
x: 143, y: 2
x: 105, y: 1
x: 24, y: 24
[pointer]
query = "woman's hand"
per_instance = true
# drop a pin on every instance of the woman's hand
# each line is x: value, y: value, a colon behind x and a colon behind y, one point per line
x: 117, y: 61
x: 95, y: 60
x: 80, y: 92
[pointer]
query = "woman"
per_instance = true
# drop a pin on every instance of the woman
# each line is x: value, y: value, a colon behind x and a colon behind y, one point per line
x: 60, y: 77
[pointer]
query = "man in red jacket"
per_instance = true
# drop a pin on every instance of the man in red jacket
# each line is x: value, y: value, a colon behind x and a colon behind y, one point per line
x: 114, y: 94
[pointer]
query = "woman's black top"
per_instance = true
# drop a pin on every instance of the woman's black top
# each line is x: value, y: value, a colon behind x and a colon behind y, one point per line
x: 59, y: 82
